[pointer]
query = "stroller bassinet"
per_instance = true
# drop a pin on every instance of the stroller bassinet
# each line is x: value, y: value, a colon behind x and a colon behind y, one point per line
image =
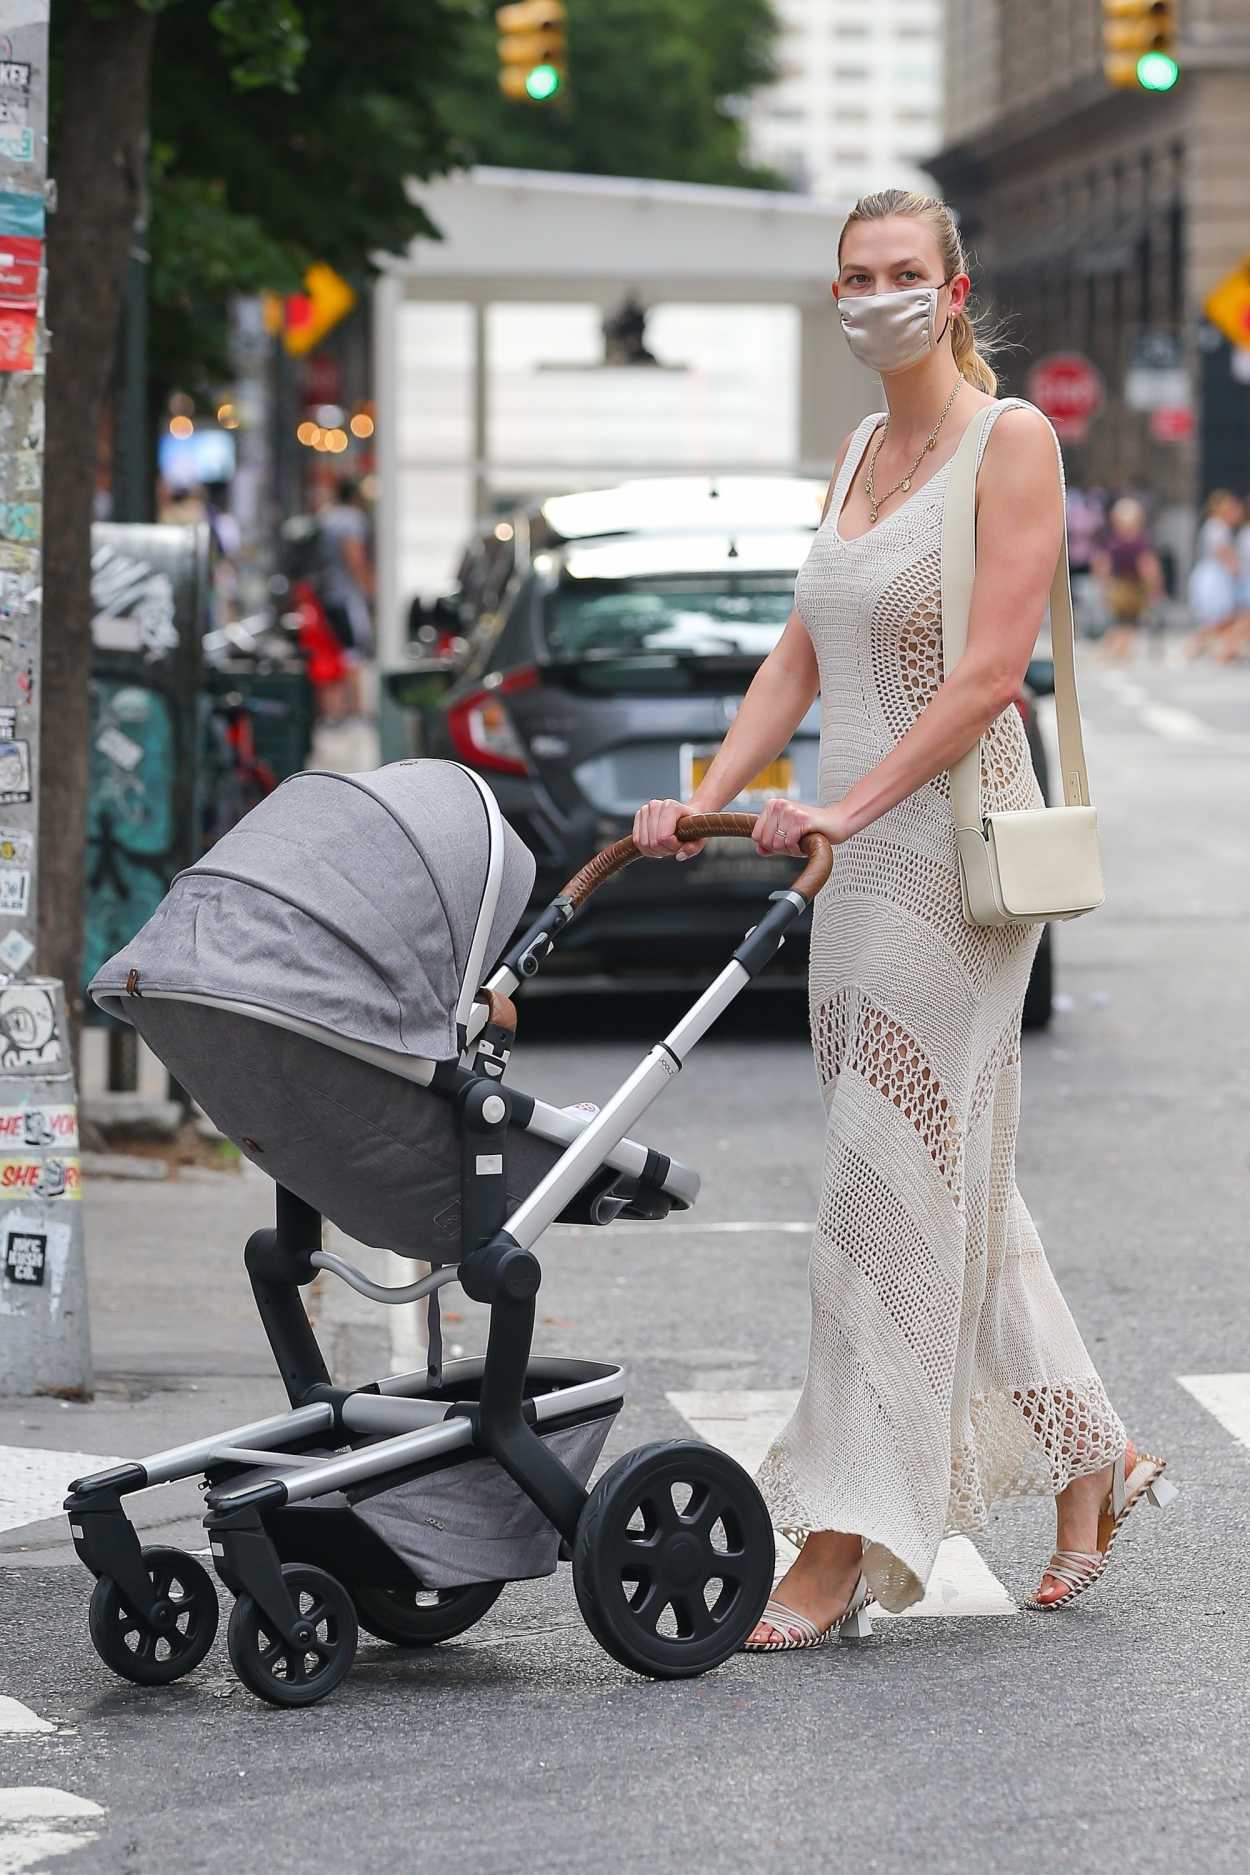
x: 302, y: 979
x: 321, y: 983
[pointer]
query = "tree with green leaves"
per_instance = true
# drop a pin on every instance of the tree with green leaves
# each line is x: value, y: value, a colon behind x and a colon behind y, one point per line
x: 272, y: 133
x: 264, y: 135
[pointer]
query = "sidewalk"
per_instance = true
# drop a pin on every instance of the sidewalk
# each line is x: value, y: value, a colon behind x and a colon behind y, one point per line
x: 178, y: 1347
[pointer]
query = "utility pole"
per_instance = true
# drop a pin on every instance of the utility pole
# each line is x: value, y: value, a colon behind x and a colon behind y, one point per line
x: 44, y: 1343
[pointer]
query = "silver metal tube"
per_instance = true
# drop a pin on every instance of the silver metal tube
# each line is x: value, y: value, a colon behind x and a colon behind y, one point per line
x: 606, y: 1130
x: 245, y: 1455
x: 350, y: 1468
x: 372, y: 1412
x: 714, y: 1001
x: 381, y: 1292
x: 180, y: 1461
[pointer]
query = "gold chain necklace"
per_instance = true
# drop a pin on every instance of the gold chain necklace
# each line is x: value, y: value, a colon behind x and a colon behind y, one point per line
x: 875, y: 506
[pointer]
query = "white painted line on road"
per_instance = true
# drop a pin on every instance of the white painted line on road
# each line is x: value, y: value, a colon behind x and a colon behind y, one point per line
x: 744, y: 1424
x: 37, y: 1823
x: 15, y: 1717
x: 1169, y: 720
x: 1226, y: 1397
x: 735, y: 1227
x: 1178, y: 725
x: 33, y: 1482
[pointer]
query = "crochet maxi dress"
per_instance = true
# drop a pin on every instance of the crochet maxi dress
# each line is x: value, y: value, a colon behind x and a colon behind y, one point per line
x: 944, y: 1369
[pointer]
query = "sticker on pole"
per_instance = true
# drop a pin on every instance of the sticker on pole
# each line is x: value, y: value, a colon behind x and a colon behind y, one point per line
x: 26, y: 1257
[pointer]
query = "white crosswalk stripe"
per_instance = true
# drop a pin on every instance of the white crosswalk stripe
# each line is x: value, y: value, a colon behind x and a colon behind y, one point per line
x: 38, y: 1823
x: 34, y: 1481
x: 744, y: 1425
x: 1226, y: 1397
x: 15, y: 1717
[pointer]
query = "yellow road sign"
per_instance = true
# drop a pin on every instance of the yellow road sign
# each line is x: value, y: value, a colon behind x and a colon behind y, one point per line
x: 309, y: 315
x: 1228, y: 307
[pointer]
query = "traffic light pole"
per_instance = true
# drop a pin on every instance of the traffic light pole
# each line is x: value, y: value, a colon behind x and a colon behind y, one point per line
x: 44, y: 1344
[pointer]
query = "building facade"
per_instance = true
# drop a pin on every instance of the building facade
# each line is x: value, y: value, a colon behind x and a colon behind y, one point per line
x: 859, y: 102
x: 1096, y: 216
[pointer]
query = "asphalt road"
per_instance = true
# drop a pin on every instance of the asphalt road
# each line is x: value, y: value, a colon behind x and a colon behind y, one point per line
x: 974, y: 1737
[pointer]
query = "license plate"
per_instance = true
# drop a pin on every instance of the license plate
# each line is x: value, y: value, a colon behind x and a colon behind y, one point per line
x: 777, y: 779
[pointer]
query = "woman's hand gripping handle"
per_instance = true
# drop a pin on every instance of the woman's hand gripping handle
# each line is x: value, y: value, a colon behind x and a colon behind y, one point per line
x: 691, y: 830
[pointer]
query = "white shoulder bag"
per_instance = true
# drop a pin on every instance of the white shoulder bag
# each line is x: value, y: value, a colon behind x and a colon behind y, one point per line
x: 1028, y: 864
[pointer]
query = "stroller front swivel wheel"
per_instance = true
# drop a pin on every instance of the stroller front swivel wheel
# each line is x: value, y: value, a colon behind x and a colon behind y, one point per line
x: 421, y: 1617
x: 299, y: 1672
x: 673, y: 1559
x: 156, y: 1651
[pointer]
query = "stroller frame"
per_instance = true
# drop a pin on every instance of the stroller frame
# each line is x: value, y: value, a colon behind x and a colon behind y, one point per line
x: 497, y: 1406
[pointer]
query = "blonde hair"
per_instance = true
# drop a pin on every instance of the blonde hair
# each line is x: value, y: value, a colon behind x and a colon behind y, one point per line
x: 971, y: 344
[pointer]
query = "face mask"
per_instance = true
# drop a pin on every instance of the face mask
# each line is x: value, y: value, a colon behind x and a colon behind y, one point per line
x: 889, y: 331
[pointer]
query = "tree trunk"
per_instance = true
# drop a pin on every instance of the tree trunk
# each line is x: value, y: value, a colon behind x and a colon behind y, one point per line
x: 97, y: 157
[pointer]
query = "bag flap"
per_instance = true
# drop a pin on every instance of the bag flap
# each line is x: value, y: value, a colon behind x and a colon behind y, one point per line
x: 1047, y: 859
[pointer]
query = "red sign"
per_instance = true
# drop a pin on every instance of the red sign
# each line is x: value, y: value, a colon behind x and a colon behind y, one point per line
x: 1172, y: 425
x: 17, y: 338
x: 20, y: 259
x: 1068, y: 387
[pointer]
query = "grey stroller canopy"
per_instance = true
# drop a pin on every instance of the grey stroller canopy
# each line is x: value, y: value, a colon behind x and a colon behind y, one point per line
x: 370, y: 905
x: 300, y: 980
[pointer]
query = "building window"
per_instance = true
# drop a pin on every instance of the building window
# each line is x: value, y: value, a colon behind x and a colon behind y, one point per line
x: 852, y: 74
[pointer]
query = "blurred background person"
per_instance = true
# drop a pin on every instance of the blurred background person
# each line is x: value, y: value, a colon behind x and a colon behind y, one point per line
x: 1087, y: 524
x: 1219, y: 582
x: 1130, y: 575
x: 345, y: 583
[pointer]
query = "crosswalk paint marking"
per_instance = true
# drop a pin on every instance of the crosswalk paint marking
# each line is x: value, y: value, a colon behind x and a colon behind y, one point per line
x: 38, y: 1823
x: 34, y: 1482
x: 744, y: 1424
x: 15, y: 1717
x: 1226, y: 1397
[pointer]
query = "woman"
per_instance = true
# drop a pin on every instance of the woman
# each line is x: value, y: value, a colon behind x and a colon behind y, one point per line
x: 1216, y: 595
x: 1131, y: 577
x: 944, y: 1369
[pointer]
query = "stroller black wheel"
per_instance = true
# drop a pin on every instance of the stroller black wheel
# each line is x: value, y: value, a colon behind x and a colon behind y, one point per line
x: 673, y: 1559
x: 184, y: 1624
x: 288, y: 1673
x: 420, y: 1617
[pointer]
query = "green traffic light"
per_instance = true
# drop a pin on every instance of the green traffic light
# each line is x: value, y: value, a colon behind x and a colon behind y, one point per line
x: 1157, y: 71
x: 542, y: 82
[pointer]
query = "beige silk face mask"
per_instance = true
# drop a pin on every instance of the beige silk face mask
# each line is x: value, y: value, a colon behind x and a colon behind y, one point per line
x: 889, y: 331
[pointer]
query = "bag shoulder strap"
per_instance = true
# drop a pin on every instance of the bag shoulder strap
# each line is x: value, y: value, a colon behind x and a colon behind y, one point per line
x: 958, y: 569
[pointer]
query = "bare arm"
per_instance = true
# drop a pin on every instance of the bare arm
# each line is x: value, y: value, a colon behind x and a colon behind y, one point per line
x: 1019, y: 522
x: 779, y: 697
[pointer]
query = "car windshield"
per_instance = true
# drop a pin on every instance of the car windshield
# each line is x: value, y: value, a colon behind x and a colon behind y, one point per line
x: 714, y: 616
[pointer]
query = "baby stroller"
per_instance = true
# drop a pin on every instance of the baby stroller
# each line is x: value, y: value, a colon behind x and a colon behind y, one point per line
x: 320, y: 983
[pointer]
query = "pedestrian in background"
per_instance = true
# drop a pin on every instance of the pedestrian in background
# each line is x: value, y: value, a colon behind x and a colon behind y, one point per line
x: 1131, y: 577
x: 1219, y: 582
x: 944, y: 1369
x: 345, y: 581
x: 1087, y: 524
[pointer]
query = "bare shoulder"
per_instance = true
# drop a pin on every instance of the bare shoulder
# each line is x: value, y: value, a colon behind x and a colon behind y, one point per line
x: 1022, y: 442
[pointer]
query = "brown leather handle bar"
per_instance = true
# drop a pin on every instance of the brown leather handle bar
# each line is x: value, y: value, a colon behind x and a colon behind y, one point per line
x: 817, y: 847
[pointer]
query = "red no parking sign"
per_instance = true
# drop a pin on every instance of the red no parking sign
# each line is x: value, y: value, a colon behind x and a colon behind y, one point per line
x: 1068, y: 387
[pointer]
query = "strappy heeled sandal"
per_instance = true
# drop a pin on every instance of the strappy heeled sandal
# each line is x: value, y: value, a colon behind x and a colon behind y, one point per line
x: 795, y: 1630
x: 1077, y: 1569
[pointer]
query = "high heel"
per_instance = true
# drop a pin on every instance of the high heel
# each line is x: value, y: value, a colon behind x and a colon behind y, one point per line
x: 1078, y: 1570
x: 795, y: 1630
